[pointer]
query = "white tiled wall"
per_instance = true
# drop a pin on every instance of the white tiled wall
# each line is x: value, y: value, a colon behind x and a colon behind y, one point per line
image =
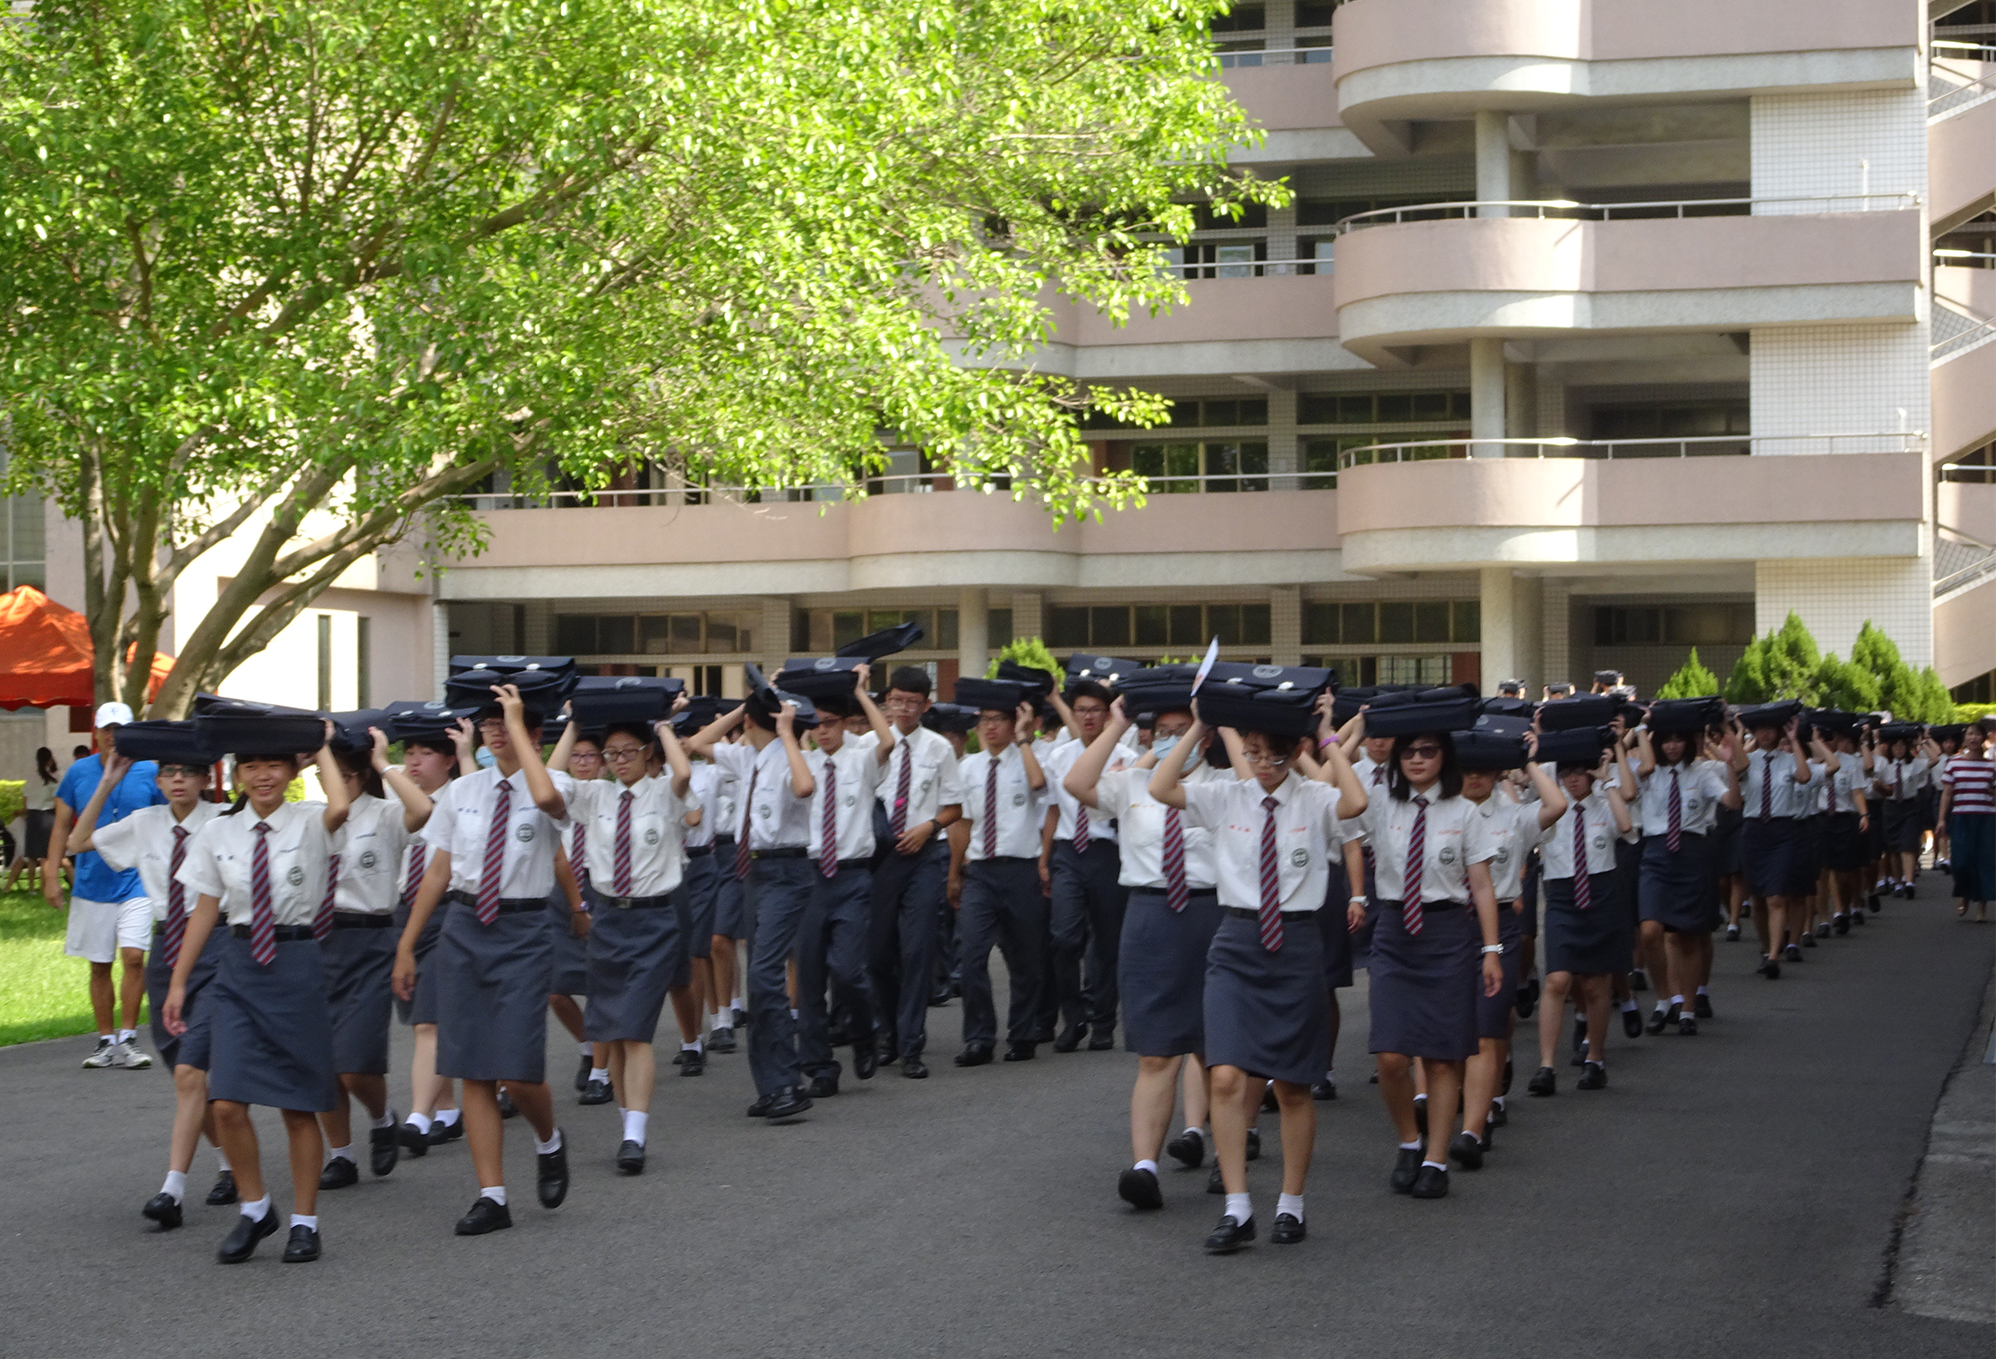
x: 1838, y: 142
x: 1834, y: 597
x: 1846, y: 379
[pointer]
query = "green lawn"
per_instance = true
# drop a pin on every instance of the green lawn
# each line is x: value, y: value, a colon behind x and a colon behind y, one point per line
x: 42, y: 993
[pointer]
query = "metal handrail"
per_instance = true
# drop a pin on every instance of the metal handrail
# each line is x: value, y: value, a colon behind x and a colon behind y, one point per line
x: 1984, y: 51
x: 827, y: 493
x: 1960, y: 96
x: 1951, y: 253
x: 1285, y: 266
x: 1567, y: 209
x: 1981, y: 331
x: 1274, y: 56
x: 1562, y: 446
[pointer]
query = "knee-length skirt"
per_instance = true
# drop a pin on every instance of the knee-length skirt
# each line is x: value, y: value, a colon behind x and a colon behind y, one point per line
x: 1161, y: 972
x: 1903, y: 826
x: 271, y: 1033
x: 1596, y: 940
x: 190, y: 1048
x: 1775, y: 859
x: 1678, y: 890
x: 1846, y: 848
x: 492, y: 996
x: 1496, y: 1014
x: 1424, y: 987
x: 570, y: 954
x: 1268, y: 1012
x: 634, y: 956
x: 421, y: 1007
x: 360, y: 965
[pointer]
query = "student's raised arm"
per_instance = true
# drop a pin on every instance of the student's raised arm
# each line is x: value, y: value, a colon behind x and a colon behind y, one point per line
x: 1166, y: 781
x: 802, y: 785
x: 416, y: 804
x: 1086, y: 771
x: 333, y: 780
x: 882, y: 731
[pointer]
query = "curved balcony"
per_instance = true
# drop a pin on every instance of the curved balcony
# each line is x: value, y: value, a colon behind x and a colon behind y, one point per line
x: 1432, y: 506
x: 1397, y: 61
x: 1447, y: 272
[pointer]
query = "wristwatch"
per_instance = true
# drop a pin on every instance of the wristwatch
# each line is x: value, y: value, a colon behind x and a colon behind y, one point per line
x: 1493, y: 948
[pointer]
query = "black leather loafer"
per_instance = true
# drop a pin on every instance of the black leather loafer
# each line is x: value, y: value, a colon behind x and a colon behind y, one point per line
x: 1406, y: 1167
x: 789, y: 1102
x: 339, y: 1173
x: 551, y: 1178
x: 1657, y: 1020
x: 1188, y: 1148
x: 1702, y: 1006
x: 1687, y: 1026
x: 582, y: 1074
x: 164, y: 1209
x: 1431, y: 1183
x: 414, y: 1141
x: 631, y: 1157
x: 1632, y: 1022
x: 1139, y: 1189
x: 722, y: 1039
x: 1288, y: 1230
x: 302, y: 1248
x: 1021, y: 1052
x: 1102, y: 1040
x: 1215, y: 1184
x: 1070, y: 1038
x: 914, y: 1068
x: 692, y: 1063
x: 484, y: 1216
x: 1543, y: 1082
x: 865, y: 1061
x: 383, y: 1150
x: 1593, y: 1077
x: 1229, y: 1236
x: 1466, y: 1151
x: 599, y: 1092
x: 977, y: 1054
x: 240, y: 1243
x: 823, y: 1087
x: 223, y: 1191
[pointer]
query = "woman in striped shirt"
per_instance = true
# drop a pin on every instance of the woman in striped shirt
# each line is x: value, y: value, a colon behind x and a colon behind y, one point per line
x: 1968, y: 810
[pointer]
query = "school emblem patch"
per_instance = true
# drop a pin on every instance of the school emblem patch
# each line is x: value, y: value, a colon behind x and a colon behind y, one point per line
x: 1018, y: 799
x: 524, y: 834
x: 651, y: 835
x: 296, y: 877
x: 1300, y: 858
x: 1501, y: 857
x: 367, y: 860
x: 1446, y: 854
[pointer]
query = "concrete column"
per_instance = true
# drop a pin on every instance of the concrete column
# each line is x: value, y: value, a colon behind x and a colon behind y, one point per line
x: 1520, y: 401
x: 1486, y: 396
x: 1512, y: 626
x: 1555, y: 630
x: 1027, y: 620
x: 774, y: 643
x: 1285, y: 624
x: 973, y: 631
x: 1493, y: 160
x: 439, y: 644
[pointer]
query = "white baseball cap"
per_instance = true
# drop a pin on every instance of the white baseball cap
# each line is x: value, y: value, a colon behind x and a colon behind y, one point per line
x: 112, y: 715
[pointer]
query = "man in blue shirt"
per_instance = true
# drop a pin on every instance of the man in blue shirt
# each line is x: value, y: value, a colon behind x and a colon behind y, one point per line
x: 110, y: 917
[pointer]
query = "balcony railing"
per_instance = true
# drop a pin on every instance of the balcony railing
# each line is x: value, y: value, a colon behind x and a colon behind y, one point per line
x: 1567, y: 210
x: 1956, y: 332
x: 1697, y: 446
x: 1965, y: 259
x: 1944, y: 98
x: 1249, y: 268
x: 1275, y: 56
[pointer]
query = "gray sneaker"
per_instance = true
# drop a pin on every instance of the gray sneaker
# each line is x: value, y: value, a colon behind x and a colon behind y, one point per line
x: 105, y: 1055
x: 131, y: 1058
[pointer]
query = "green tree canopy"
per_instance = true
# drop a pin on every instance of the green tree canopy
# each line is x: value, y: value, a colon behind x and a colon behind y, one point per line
x: 1779, y: 665
x: 1028, y: 651
x: 1692, y: 680
x: 305, y: 272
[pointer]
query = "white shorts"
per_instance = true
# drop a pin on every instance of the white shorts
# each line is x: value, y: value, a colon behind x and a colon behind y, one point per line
x: 98, y: 929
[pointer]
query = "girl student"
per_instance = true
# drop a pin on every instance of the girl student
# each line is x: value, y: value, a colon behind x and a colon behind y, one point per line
x: 1847, y: 831
x: 1776, y: 790
x: 430, y: 759
x: 1899, y: 778
x: 1586, y: 926
x: 1435, y: 930
x: 568, y: 925
x: 360, y: 952
x: 261, y: 865
x: 1266, y: 1011
x: 1517, y: 827
x: 492, y: 842
x: 155, y: 840
x: 1968, y: 810
x: 635, y: 828
x: 1681, y: 794
x: 1173, y: 912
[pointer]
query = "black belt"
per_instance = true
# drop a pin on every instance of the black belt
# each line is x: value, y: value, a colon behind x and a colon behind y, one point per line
x: 1246, y: 914
x: 1427, y: 906
x: 361, y: 920
x: 285, y: 934
x: 1161, y: 893
x: 847, y: 864
x: 790, y: 852
x: 507, y: 905
x: 1002, y: 859
x: 633, y: 903
x: 699, y: 851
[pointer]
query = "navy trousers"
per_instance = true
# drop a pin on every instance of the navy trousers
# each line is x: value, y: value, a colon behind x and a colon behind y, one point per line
x: 901, y: 953
x: 831, y: 946
x: 1087, y: 907
x: 778, y: 893
x: 1002, y: 906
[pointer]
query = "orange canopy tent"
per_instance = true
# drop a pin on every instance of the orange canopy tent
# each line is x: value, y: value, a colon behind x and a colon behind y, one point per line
x: 45, y: 654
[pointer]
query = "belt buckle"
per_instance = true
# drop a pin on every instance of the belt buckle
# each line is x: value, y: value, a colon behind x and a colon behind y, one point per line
x: 622, y: 903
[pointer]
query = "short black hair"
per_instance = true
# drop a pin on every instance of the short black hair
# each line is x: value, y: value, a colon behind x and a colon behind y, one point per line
x: 1089, y: 688
x: 910, y: 679
x: 637, y: 731
x: 1451, y: 779
x: 443, y: 745
x: 838, y: 706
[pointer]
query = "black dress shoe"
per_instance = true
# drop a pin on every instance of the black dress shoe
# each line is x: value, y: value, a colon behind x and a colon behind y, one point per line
x: 1732, y: 934
x: 679, y: 1057
x: 1406, y: 1165
x: 865, y: 1061
x: 692, y: 1062
x: 1791, y: 954
x: 551, y: 1177
x: 789, y: 1102
x: 722, y: 1039
x: 164, y: 1209
x: 413, y: 1140
x: 1499, y: 1118
x: 582, y: 1074
x: 1215, y: 1182
x: 1856, y: 916
x: 887, y: 1050
x: 1687, y: 1026
x: 1254, y: 1144
x: 383, y: 1151
x: 223, y: 1191
x: 1658, y: 1019
x: 1188, y: 1148
x: 1543, y: 1082
x: 1288, y: 1230
x: 1421, y: 1115
x: 240, y: 1243
x: 1021, y: 1052
x: 1873, y: 902
x: 508, y: 1109
x: 1229, y: 1236
x: 1701, y: 1005
x: 823, y: 1087
x: 485, y: 1216
x: 977, y: 1054
x: 761, y: 1107
x: 441, y: 1132
x: 1070, y: 1038
x: 1138, y: 1188
x: 1595, y: 1077
x: 741, y: 1019
x: 1101, y: 1039
x: 1431, y: 1183
x: 1638, y: 980
x: 1809, y: 940
x: 339, y: 1173
x: 1632, y: 1022
x: 938, y: 997
x: 1466, y: 1150
x: 631, y: 1157
x: 1770, y: 969
x: 914, y: 1068
x: 599, y: 1092
x: 1323, y: 1090
x: 303, y: 1247
x: 1528, y: 998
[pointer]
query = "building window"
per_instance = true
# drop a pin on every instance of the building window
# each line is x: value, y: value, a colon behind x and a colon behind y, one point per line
x: 997, y: 627
x: 1392, y: 621
x: 1977, y: 467
x: 820, y: 632
x: 1382, y: 408
x: 1196, y: 414
x: 1368, y: 670
x: 1153, y: 629
x: 23, y: 552
x: 665, y: 634
x: 1179, y: 468
x: 1673, y: 625
x: 1981, y: 689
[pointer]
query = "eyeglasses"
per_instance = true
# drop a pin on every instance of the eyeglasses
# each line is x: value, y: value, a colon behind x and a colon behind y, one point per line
x: 1266, y: 761
x: 1422, y: 752
x: 622, y: 753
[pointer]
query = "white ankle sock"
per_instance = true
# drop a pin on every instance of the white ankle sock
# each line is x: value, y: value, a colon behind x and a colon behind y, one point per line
x: 693, y: 1046
x: 600, y: 1073
x: 127, y: 1035
x: 1663, y: 1006
x: 1677, y: 1001
x: 420, y: 1122
x: 1291, y: 1204
x: 1410, y: 1146
x: 221, y: 1159
x: 387, y: 1119
x: 1240, y: 1208
x: 739, y: 1003
x: 634, y: 1126
x: 553, y: 1144
x: 300, y: 1220
x: 176, y: 1185
x: 1628, y: 1005
x: 344, y: 1153
x: 1436, y: 1164
x: 1151, y: 1166
x: 1703, y: 991
x: 447, y: 1117
x: 495, y: 1192
x: 254, y: 1211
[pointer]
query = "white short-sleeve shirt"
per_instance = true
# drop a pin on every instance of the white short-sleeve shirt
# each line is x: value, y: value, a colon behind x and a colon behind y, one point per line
x: 658, y: 859
x: 1019, y: 808
x: 221, y: 858
x: 373, y: 856
x: 1456, y: 838
x: 144, y: 840
x: 1306, y: 836
x: 1514, y: 828
x: 778, y: 818
x: 1125, y: 795
x: 931, y: 765
x: 854, y: 775
x: 463, y: 817
x: 1598, y: 833
x: 1699, y: 789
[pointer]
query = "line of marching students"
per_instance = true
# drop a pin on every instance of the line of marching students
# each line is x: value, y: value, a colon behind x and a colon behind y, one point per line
x: 1204, y: 861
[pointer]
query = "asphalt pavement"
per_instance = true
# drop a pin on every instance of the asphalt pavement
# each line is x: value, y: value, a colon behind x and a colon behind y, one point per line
x: 1733, y: 1193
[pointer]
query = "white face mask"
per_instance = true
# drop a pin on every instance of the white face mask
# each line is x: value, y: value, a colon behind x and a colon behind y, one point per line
x: 1162, y: 746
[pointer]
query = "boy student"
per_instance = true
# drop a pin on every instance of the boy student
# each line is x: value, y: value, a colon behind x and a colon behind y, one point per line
x: 919, y: 793
x: 433, y: 753
x: 772, y: 859
x: 154, y: 840
x: 1080, y: 871
x: 994, y: 871
x: 635, y: 827
x: 110, y: 919
x: 832, y: 942
x: 492, y: 841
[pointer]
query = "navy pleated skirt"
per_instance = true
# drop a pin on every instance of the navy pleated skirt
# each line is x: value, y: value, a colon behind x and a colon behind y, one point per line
x: 1268, y: 1012
x: 1846, y: 848
x: 1424, y: 987
x: 1161, y: 972
x: 700, y: 887
x: 1678, y: 890
x: 1775, y: 858
x: 360, y: 965
x: 1903, y: 826
x: 1338, y: 943
x: 1724, y: 841
x: 1596, y: 940
x: 271, y: 1031
x: 492, y: 996
x: 634, y: 957
x: 191, y: 1048
x: 734, y: 917
x: 570, y: 954
x: 421, y: 1007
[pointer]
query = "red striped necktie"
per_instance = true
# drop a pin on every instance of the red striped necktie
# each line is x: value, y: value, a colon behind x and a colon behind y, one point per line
x: 828, y: 824
x: 494, y: 866
x: 1176, y: 893
x: 1766, y: 786
x: 1271, y: 880
x: 322, y: 922
x: 897, y: 821
x: 578, y: 856
x: 1081, y: 836
x: 742, y: 839
x: 419, y: 863
x: 1673, y: 835
x: 620, y: 872
x: 1583, y: 886
x: 263, y: 922
x: 176, y: 897
x: 990, y: 826
x: 1417, y: 863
